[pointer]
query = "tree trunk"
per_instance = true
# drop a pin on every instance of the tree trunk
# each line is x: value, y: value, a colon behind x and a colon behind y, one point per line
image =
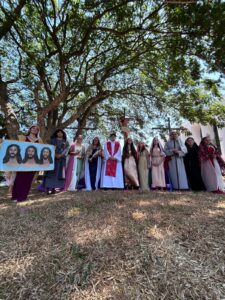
x: 11, y: 122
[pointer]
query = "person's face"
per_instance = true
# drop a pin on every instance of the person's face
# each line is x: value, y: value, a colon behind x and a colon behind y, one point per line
x: 112, y: 138
x: 79, y: 138
x: 129, y: 141
x: 13, y: 152
x: 30, y: 153
x: 173, y: 135
x: 46, y: 153
x: 207, y: 141
x: 190, y: 142
x: 60, y: 134
x: 95, y: 141
x: 141, y: 145
x: 34, y: 130
x: 155, y: 141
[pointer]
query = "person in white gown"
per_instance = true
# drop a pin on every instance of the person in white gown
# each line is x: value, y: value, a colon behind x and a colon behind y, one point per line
x: 112, y: 172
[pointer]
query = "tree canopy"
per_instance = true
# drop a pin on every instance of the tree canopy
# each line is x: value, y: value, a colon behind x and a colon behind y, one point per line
x: 77, y: 62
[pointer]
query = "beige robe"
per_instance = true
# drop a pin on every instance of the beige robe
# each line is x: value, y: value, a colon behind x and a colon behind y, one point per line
x: 158, y: 173
x: 143, y: 170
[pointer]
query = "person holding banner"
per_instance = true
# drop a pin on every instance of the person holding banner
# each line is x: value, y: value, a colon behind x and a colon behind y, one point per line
x: 55, y: 179
x: 23, y: 180
x: 93, y: 163
x: 112, y: 172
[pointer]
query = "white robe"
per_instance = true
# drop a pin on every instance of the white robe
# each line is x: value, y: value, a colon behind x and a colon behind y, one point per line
x: 110, y: 181
x: 176, y: 164
x: 87, y: 174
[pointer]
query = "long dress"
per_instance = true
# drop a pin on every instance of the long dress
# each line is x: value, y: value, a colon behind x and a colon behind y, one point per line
x: 143, y: 170
x: 74, y: 167
x: 56, y: 178
x: 130, y: 170
x: 176, y: 164
x: 157, y: 166
x: 193, y: 169
x: 210, y: 168
x: 112, y: 172
x: 22, y: 183
x: 93, y: 170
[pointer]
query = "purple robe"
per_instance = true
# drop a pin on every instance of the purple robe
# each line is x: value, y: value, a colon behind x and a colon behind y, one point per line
x: 22, y: 184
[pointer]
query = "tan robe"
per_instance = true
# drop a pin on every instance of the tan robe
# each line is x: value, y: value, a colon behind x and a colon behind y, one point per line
x: 143, y: 170
x: 130, y: 171
x: 158, y: 173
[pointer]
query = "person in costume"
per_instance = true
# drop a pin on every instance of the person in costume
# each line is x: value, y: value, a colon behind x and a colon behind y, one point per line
x: 192, y: 165
x: 112, y: 172
x: 93, y: 163
x: 23, y: 180
x: 175, y: 150
x: 211, y: 163
x: 75, y: 166
x: 143, y: 166
x: 157, y: 156
x: 55, y: 179
x: 129, y: 160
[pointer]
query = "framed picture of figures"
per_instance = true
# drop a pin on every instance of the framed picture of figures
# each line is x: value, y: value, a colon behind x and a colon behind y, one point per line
x: 25, y: 156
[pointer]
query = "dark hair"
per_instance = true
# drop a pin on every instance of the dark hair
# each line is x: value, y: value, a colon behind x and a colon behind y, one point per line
x: 31, y: 128
x: 7, y: 156
x: 195, y: 146
x: 76, y: 136
x: 203, y: 140
x: 49, y: 157
x: 54, y: 135
x: 125, y: 150
x: 99, y: 144
x: 141, y: 149
x: 152, y: 146
x: 35, y: 154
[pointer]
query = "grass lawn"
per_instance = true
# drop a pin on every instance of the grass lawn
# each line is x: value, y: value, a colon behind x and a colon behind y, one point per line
x: 113, y: 245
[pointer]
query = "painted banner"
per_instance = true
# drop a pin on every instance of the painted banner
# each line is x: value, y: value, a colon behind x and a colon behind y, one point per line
x: 25, y: 156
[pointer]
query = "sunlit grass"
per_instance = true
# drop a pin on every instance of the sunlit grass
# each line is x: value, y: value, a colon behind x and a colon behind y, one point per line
x: 113, y: 245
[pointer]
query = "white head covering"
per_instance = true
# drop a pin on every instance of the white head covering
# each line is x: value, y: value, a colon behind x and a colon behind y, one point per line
x: 34, y: 125
x: 160, y: 146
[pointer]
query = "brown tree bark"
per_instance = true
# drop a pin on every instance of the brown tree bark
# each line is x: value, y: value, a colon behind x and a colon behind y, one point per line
x: 12, y: 125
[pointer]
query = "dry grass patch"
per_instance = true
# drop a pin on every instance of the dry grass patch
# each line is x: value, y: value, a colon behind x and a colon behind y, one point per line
x: 113, y: 245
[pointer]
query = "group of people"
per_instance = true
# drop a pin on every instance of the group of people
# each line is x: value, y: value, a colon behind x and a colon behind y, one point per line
x: 176, y: 166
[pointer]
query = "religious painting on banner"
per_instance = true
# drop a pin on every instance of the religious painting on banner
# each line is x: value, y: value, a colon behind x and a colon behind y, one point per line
x: 25, y: 156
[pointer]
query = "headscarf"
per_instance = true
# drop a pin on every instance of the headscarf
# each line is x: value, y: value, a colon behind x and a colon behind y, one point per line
x: 159, y: 144
x: 29, y: 130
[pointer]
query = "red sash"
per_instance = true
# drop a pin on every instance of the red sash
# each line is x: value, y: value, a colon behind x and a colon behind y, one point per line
x: 211, y: 151
x: 111, y: 164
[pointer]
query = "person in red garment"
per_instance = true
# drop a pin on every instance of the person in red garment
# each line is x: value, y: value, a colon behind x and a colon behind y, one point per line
x: 211, y: 163
x: 112, y: 172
